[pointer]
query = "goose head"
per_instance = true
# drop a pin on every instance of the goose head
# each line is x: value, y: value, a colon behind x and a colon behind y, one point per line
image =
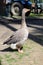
x: 25, y: 10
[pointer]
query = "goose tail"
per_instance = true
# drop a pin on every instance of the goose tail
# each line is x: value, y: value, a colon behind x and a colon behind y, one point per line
x: 13, y: 46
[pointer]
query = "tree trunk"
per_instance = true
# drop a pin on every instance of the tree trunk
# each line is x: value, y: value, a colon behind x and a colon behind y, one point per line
x: 2, y: 7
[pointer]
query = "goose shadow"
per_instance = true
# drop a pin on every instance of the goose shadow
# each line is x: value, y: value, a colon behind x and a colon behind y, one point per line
x: 8, y: 50
x: 7, y: 25
x: 36, y: 39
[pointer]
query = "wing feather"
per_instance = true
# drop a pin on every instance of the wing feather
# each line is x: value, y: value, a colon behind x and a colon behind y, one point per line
x: 16, y: 37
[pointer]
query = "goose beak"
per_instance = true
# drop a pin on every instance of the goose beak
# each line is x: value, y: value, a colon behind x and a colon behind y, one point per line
x: 27, y: 10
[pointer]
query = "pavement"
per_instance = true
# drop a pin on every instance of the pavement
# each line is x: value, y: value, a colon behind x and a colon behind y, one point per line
x: 9, y: 26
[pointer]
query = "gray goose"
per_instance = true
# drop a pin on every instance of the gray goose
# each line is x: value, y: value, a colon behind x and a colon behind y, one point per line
x: 16, y: 40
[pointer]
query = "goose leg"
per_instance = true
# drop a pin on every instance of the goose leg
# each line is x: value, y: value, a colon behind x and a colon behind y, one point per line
x: 19, y: 48
x: 20, y: 51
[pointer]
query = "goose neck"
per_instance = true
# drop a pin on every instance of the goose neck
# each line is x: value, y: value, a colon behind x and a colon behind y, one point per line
x: 23, y: 19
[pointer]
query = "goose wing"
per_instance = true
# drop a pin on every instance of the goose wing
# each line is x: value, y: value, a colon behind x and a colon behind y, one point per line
x: 16, y: 37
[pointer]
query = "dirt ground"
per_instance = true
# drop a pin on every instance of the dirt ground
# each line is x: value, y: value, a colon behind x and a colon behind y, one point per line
x: 33, y: 49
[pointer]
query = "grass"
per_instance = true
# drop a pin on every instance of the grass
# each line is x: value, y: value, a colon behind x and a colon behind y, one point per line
x: 0, y: 62
x: 32, y: 15
x: 7, y: 56
x: 36, y: 15
x: 11, y: 60
x: 15, y: 58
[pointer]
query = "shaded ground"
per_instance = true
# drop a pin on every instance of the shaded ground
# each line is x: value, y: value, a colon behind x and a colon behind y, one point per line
x: 33, y: 49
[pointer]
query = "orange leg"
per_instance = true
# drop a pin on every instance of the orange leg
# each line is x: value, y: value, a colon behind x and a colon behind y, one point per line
x: 20, y: 51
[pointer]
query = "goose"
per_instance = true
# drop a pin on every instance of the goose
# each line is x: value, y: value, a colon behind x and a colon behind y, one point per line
x: 16, y: 40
